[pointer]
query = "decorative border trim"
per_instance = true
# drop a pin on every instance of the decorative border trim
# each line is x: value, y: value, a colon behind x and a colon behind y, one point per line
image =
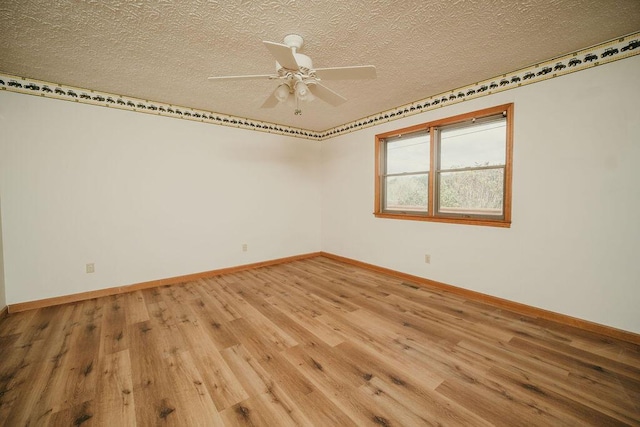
x: 603, y: 53
x: 105, y: 99
x: 497, y: 302
x: 82, y: 296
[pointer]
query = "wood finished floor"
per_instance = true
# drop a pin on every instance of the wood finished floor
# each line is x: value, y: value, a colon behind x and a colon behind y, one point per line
x: 313, y: 342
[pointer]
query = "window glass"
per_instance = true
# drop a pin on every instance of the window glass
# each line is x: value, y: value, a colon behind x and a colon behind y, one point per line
x: 473, y: 145
x: 409, y: 153
x: 407, y: 192
x: 474, y: 192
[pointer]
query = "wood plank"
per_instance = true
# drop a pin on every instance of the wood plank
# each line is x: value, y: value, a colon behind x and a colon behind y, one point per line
x: 268, y: 330
x: 610, y: 405
x: 588, y: 367
x: 209, y: 298
x: 500, y: 406
x: 302, y: 329
x: 338, y: 384
x: 167, y: 386
x: 267, y: 355
x: 115, y: 333
x: 221, y: 384
x: 571, y: 409
x: 77, y: 382
x: 297, y: 314
x: 135, y: 307
x: 257, y: 411
x: 21, y: 365
x: 78, y: 415
x: 39, y: 378
x: 433, y: 408
x: 210, y: 319
x: 114, y: 404
x: 11, y: 324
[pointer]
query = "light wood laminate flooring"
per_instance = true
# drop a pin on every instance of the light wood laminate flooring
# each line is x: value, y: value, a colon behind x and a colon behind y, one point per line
x: 313, y: 343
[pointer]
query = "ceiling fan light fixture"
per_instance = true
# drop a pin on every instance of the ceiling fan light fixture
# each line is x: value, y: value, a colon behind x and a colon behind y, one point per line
x: 282, y: 92
x: 302, y: 92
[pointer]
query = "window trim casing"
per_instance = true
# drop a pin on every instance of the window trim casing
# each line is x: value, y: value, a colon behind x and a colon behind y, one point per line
x: 430, y: 215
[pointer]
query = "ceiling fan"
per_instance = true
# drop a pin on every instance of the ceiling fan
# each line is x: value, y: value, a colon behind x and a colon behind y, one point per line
x: 299, y: 81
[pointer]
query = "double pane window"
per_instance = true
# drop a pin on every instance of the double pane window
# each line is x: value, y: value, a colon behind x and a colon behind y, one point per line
x: 453, y: 170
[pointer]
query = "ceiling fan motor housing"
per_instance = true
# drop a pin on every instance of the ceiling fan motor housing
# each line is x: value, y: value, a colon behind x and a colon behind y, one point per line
x: 295, y: 42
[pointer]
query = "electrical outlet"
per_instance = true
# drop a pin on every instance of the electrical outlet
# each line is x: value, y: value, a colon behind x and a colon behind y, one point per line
x: 245, y: 247
x: 91, y: 268
x: 427, y: 259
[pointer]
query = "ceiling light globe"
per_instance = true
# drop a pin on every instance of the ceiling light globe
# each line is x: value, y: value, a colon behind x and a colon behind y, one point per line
x: 302, y: 91
x: 282, y: 93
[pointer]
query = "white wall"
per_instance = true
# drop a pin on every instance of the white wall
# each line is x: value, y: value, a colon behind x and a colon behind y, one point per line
x: 3, y: 301
x: 143, y: 197
x: 575, y: 239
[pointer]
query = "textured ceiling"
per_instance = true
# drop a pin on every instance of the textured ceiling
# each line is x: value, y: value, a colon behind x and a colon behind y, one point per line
x: 164, y: 50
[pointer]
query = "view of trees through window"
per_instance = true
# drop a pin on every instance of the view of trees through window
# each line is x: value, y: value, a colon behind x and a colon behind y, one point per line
x: 477, y: 191
x: 409, y: 193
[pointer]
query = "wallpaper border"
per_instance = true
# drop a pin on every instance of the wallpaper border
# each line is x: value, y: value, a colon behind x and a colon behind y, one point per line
x: 587, y: 58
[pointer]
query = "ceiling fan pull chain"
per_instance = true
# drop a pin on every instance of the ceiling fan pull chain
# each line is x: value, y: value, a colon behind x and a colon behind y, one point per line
x: 297, y: 111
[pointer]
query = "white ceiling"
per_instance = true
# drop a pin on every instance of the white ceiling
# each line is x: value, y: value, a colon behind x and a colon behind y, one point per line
x: 164, y: 50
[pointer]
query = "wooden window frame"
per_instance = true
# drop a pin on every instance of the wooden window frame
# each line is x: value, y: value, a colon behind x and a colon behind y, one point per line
x: 431, y: 215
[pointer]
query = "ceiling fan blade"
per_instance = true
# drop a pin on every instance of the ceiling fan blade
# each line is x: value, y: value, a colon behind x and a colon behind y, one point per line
x: 283, y: 54
x: 346, y: 73
x: 326, y: 94
x: 271, y: 101
x: 248, y: 77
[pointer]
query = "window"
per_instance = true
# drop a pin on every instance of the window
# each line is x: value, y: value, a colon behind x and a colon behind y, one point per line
x: 452, y: 170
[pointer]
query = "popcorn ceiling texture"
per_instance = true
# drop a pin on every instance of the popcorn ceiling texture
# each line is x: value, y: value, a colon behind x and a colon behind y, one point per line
x: 163, y: 51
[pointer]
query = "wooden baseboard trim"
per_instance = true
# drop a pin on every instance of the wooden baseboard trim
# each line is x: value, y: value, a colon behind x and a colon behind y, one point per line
x: 498, y: 302
x: 82, y: 296
x: 466, y: 293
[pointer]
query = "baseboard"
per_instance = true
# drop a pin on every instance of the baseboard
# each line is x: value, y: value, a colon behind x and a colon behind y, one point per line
x: 82, y: 296
x: 466, y: 293
x: 498, y: 302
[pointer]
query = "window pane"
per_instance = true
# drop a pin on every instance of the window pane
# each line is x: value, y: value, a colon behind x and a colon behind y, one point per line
x: 476, y: 192
x: 475, y: 145
x: 408, y: 154
x: 407, y: 193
